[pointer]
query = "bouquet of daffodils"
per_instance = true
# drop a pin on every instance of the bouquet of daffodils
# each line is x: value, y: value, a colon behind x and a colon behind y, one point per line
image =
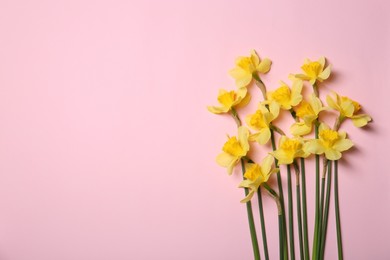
x: 307, y: 137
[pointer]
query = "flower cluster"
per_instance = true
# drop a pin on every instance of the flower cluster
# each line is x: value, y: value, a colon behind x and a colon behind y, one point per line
x: 308, y: 134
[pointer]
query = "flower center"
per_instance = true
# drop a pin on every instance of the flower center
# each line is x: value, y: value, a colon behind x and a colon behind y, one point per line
x: 312, y: 69
x: 257, y: 120
x: 328, y: 137
x: 247, y: 64
x: 253, y: 173
x: 233, y: 147
x: 305, y: 109
x: 291, y: 146
x: 282, y: 95
x: 227, y: 99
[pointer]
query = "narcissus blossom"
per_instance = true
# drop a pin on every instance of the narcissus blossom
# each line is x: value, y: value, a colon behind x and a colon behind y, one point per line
x: 285, y: 97
x: 314, y: 71
x: 261, y: 122
x: 308, y: 112
x: 289, y: 149
x: 230, y: 99
x: 348, y: 108
x: 256, y: 174
x: 329, y: 142
x: 234, y: 149
x: 246, y: 67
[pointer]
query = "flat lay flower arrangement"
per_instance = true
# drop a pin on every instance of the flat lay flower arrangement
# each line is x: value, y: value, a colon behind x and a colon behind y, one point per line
x: 309, y: 137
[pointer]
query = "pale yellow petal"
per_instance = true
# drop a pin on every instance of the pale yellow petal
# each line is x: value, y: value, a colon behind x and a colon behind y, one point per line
x: 300, y: 129
x: 302, y: 77
x: 225, y: 159
x: 266, y: 164
x: 242, y: 77
x: 248, y: 197
x: 264, y: 66
x: 243, y: 136
x: 253, y: 137
x: 245, y: 184
x: 321, y: 61
x: 282, y: 157
x: 343, y: 145
x: 332, y: 103
x: 361, y: 120
x: 244, y: 101
x: 325, y: 73
x: 217, y: 110
x: 274, y: 108
x: 314, y: 147
x: 316, y: 104
x: 332, y: 155
x: 296, y: 90
x: 347, y: 108
x: 254, y: 57
x: 323, y: 126
x: 264, y: 136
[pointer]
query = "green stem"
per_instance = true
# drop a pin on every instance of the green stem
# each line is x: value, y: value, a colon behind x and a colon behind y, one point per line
x: 290, y: 214
x: 326, y: 212
x: 304, y: 211
x: 280, y: 219
x: 281, y: 199
x: 337, y: 210
x: 321, y: 212
x: 255, y: 244
x: 263, y: 230
x: 299, y: 216
x: 317, y: 202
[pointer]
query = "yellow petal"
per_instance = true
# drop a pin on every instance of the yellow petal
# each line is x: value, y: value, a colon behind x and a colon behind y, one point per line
x: 264, y: 136
x: 321, y: 61
x: 266, y: 164
x: 343, y: 145
x: 243, y: 136
x: 300, y: 129
x: 316, y: 104
x: 244, y: 101
x: 242, y: 77
x: 302, y: 77
x: 282, y: 157
x: 245, y: 184
x: 361, y: 120
x: 264, y: 66
x: 217, y: 110
x: 228, y: 161
x: 332, y: 103
x: 248, y: 197
x: 347, y: 108
x: 296, y: 90
x: 274, y: 108
x: 332, y: 155
x: 325, y: 73
x: 314, y: 147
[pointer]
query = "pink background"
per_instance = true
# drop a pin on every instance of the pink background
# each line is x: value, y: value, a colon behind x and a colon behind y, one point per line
x: 106, y: 147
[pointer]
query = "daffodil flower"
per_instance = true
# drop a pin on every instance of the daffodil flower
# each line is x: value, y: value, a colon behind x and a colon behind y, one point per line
x: 230, y: 99
x: 329, y: 142
x: 255, y: 175
x: 308, y: 112
x: 246, y: 67
x: 289, y: 149
x: 314, y: 71
x: 348, y: 109
x: 261, y: 122
x: 285, y: 97
x: 234, y: 149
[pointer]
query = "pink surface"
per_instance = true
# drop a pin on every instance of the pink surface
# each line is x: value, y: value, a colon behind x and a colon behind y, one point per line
x: 107, y: 149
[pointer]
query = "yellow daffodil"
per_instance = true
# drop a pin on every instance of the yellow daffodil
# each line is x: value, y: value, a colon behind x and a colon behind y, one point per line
x: 255, y: 175
x: 261, y: 121
x: 308, y: 112
x: 246, y: 67
x: 289, y: 149
x: 285, y: 97
x: 329, y: 142
x: 314, y: 71
x: 234, y: 149
x: 348, y: 109
x: 230, y: 99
